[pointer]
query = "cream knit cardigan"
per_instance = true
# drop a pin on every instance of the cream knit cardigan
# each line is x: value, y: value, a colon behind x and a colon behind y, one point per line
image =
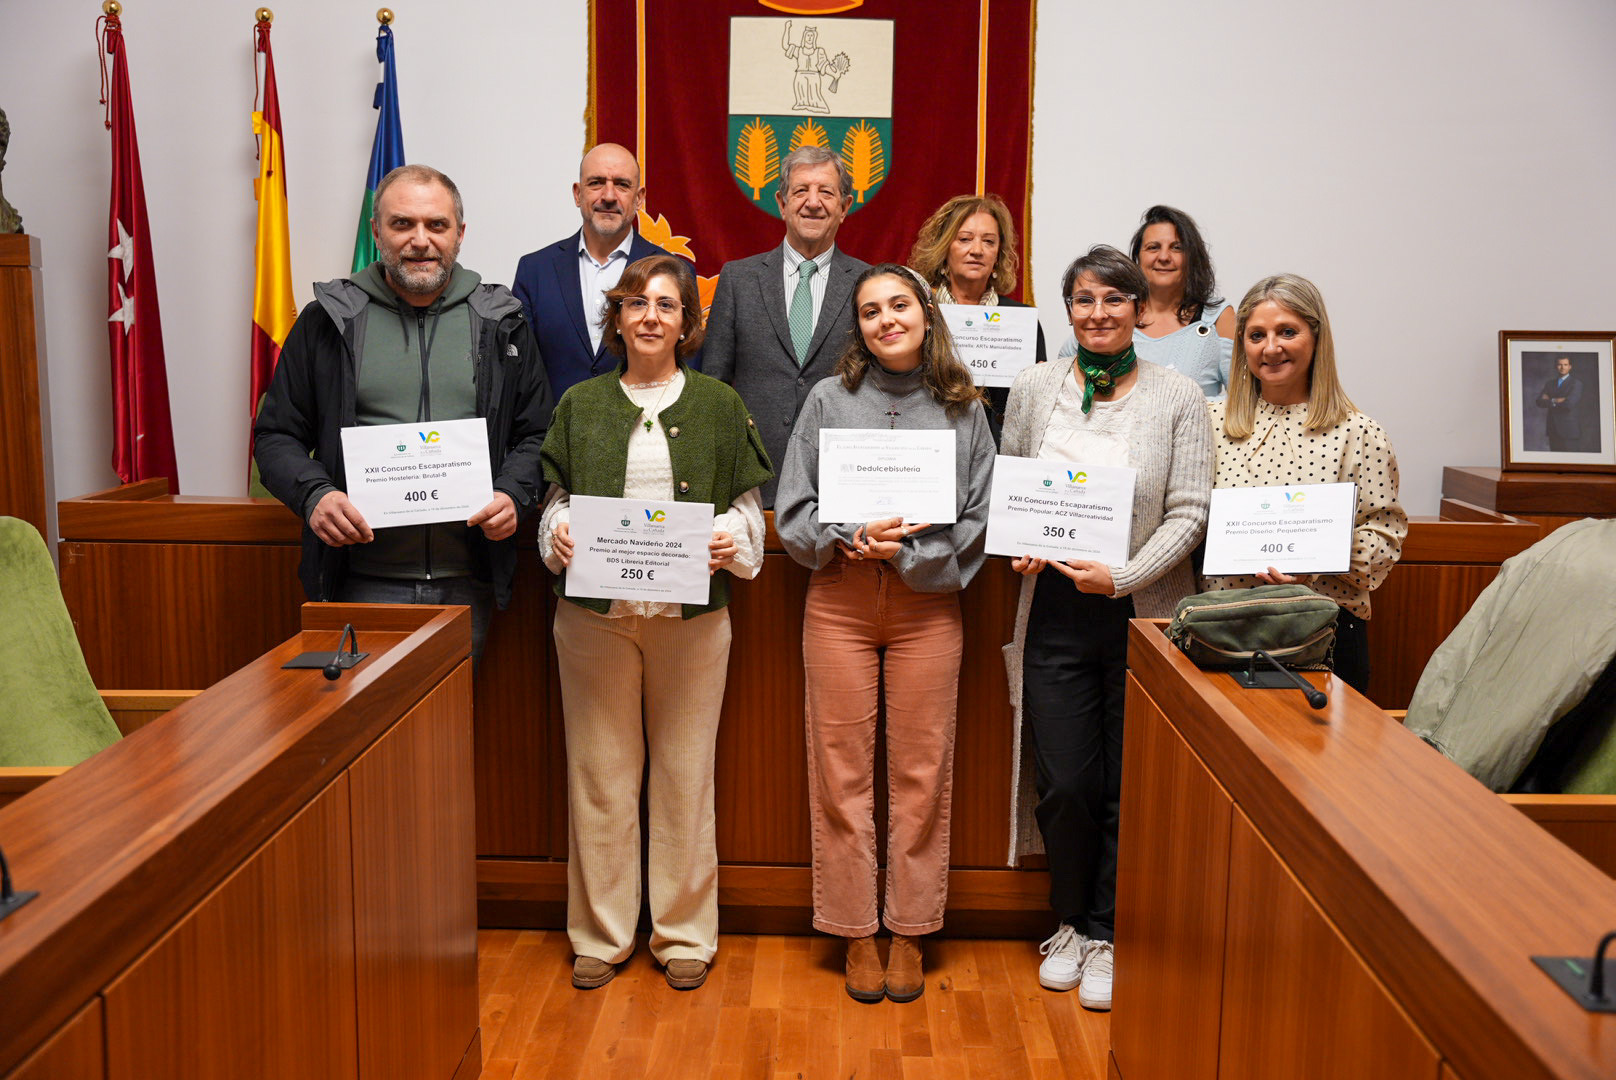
x: 1171, y: 449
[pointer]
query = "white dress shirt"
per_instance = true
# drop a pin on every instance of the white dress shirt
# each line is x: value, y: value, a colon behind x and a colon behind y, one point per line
x: 816, y: 287
x: 594, y: 279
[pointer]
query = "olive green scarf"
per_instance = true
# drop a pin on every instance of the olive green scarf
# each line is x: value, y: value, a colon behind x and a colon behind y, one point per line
x: 1100, y: 373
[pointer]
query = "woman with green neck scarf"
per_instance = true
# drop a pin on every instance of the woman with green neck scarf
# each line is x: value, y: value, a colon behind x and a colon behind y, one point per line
x: 1068, y: 661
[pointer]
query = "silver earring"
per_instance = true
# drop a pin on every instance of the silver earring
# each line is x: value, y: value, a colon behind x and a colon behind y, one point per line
x: 681, y: 337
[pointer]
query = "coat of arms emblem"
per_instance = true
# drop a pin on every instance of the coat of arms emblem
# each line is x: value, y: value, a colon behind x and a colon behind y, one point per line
x: 828, y: 83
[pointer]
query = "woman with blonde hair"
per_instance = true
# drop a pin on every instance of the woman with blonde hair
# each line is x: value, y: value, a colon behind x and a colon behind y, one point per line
x: 966, y: 252
x: 883, y: 611
x: 1288, y: 420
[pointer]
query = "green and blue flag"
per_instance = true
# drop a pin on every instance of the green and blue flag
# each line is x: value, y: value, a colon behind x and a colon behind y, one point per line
x: 386, y: 152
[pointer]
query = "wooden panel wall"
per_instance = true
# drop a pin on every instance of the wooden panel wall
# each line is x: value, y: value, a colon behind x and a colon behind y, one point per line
x: 174, y: 592
x: 1318, y: 1012
x: 1172, y: 880
x: 258, y: 981
x: 75, y: 1052
x: 177, y: 616
x: 415, y: 890
x: 26, y: 486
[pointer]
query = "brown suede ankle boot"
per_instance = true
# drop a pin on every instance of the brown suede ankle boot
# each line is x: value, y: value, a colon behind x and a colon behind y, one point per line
x: 866, y: 981
x: 905, y: 980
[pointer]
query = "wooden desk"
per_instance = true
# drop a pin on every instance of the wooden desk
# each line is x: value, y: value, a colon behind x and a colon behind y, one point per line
x: 274, y: 880
x: 1549, y: 499
x: 1320, y: 894
x: 177, y: 592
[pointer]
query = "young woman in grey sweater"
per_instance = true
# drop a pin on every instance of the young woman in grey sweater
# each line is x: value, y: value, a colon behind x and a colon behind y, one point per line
x: 885, y: 594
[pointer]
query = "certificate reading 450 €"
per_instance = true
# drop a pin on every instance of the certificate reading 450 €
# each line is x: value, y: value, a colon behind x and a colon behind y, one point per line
x: 1060, y: 510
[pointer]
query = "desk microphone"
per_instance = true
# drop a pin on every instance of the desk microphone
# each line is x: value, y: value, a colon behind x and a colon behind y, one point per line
x: 10, y: 899
x: 333, y: 670
x: 1283, y: 680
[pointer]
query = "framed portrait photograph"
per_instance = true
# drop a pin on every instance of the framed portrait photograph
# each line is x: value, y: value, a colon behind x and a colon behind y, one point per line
x: 1558, y: 392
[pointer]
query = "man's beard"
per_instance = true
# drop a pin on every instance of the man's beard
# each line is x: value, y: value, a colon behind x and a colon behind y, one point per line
x: 418, y: 282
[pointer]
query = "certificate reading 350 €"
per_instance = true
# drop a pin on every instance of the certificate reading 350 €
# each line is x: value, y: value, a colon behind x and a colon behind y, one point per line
x: 1301, y: 529
x: 1060, y: 510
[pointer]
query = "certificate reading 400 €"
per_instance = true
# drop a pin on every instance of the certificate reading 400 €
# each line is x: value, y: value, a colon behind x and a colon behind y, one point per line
x: 1301, y: 529
x: 1060, y: 510
x: 416, y: 474
x: 638, y: 549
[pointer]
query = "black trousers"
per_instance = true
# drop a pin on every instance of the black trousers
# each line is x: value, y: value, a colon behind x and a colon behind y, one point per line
x: 1073, y: 681
x: 1352, y: 651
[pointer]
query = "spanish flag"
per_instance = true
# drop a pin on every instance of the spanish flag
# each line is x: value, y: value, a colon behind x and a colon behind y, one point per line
x: 273, y: 307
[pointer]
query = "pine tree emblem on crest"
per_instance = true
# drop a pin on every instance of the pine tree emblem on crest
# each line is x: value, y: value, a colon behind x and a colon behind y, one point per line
x: 838, y: 71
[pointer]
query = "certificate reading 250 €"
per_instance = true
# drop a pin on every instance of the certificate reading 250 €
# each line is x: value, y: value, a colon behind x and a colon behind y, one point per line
x: 1302, y: 529
x: 639, y: 549
x: 416, y: 474
x: 1060, y: 510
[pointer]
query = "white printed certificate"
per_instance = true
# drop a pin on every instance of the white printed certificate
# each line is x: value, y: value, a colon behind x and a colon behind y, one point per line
x: 1298, y: 529
x: 1060, y: 510
x: 868, y: 474
x: 640, y: 549
x: 417, y: 474
x: 994, y: 343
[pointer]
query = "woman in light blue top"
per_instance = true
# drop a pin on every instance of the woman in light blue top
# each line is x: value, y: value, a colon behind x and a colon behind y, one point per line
x: 1183, y: 324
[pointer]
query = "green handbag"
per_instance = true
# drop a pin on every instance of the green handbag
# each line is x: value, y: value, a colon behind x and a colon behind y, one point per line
x: 1292, y: 623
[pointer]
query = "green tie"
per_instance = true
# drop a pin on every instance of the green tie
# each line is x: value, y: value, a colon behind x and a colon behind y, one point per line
x: 802, y: 310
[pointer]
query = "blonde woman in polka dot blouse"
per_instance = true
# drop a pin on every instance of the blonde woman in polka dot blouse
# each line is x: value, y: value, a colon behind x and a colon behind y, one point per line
x: 1288, y: 421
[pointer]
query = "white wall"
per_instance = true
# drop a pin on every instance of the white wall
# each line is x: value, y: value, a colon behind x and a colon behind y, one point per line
x: 1441, y: 169
x: 492, y: 92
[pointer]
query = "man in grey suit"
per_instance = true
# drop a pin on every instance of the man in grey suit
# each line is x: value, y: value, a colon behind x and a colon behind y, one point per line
x: 780, y: 320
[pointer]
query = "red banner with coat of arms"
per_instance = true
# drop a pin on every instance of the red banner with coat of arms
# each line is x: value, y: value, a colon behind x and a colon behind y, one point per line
x: 923, y: 100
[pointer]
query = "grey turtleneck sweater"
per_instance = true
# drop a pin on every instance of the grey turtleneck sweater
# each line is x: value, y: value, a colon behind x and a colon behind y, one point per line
x: 943, y: 558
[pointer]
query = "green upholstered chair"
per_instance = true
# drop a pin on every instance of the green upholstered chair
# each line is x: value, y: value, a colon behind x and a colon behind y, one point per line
x: 50, y: 711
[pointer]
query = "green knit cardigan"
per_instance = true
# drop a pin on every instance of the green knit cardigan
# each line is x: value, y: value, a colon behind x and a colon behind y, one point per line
x: 715, y: 448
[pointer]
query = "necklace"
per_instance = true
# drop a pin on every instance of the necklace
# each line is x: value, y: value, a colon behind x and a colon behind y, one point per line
x: 655, y: 410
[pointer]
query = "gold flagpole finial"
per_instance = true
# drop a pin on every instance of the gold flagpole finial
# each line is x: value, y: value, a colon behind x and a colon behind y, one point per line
x: 384, y: 15
x: 264, y: 15
x: 112, y: 7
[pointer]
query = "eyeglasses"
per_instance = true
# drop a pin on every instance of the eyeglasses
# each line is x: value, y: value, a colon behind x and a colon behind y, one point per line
x: 636, y: 305
x: 1083, y: 303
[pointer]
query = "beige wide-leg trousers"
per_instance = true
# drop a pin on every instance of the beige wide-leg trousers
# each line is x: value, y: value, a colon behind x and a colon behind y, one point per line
x: 631, y: 686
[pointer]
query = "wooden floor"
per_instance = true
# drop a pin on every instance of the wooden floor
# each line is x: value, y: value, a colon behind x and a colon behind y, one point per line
x: 774, y: 1008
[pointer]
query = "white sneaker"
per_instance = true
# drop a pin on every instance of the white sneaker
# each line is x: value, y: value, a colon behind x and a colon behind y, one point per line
x: 1063, y: 953
x: 1095, y: 992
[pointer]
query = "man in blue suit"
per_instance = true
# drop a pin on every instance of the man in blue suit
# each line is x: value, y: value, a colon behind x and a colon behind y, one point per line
x: 1562, y: 395
x: 562, y: 286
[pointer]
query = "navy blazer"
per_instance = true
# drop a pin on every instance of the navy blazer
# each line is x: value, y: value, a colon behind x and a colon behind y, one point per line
x: 547, y: 285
